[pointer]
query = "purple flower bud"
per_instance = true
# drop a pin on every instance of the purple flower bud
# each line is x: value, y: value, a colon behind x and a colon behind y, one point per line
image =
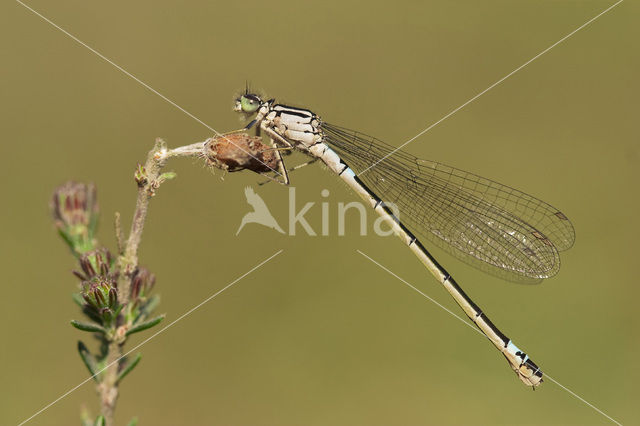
x: 142, y: 284
x: 96, y: 260
x: 113, y: 297
x: 74, y: 203
x: 74, y: 208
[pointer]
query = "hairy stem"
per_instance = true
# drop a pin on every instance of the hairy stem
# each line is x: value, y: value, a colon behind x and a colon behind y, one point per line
x: 128, y: 261
x: 149, y: 179
x: 108, y: 388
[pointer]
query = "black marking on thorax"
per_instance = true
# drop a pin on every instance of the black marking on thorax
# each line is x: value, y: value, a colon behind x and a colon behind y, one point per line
x: 298, y: 112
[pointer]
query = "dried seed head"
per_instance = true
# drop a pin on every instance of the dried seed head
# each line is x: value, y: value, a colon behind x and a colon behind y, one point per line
x: 239, y: 151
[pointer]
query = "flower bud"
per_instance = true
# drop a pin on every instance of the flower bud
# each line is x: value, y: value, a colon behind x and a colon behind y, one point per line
x: 75, y: 210
x: 96, y: 263
x: 101, y: 300
x: 141, y: 284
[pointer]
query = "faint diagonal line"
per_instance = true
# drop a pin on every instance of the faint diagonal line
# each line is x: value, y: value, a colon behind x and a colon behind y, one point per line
x: 145, y: 85
x: 575, y: 395
x: 465, y: 322
x: 491, y: 87
x: 153, y: 336
x: 481, y: 334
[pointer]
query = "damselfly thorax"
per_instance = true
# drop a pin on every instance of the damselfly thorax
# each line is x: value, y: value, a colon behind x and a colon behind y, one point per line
x: 294, y: 126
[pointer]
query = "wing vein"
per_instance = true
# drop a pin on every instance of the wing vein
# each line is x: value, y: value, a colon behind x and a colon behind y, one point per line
x: 495, y: 228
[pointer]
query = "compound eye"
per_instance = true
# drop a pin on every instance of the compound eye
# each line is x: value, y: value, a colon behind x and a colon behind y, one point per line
x: 250, y: 103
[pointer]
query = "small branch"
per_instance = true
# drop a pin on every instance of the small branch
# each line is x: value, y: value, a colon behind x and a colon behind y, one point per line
x: 237, y: 152
x: 148, y: 183
x: 245, y: 153
x: 149, y: 179
x: 119, y: 309
x: 193, y: 150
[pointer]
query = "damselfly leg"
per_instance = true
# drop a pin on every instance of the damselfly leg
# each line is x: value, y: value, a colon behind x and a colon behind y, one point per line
x: 282, y: 168
x: 291, y: 170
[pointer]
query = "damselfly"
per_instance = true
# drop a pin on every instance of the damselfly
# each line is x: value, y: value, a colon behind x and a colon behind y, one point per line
x: 494, y: 227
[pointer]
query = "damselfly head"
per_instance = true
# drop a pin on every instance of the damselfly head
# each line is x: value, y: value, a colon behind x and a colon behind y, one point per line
x: 247, y: 103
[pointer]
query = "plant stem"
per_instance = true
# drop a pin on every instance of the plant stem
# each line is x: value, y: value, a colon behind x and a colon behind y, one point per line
x: 128, y: 261
x: 108, y: 388
x: 156, y: 159
x: 148, y: 179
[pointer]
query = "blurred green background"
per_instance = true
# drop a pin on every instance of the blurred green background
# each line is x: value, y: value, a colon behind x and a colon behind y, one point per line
x: 320, y: 335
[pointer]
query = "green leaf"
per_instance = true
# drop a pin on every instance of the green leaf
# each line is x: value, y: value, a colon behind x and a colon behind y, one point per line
x: 83, y: 246
x: 168, y: 176
x: 93, y: 226
x: 133, y: 422
x: 77, y: 298
x: 145, y: 325
x: 151, y: 305
x: 91, y: 314
x: 128, y: 368
x: 67, y: 239
x: 118, y: 310
x: 100, y: 421
x: 87, y: 326
x: 89, y: 360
